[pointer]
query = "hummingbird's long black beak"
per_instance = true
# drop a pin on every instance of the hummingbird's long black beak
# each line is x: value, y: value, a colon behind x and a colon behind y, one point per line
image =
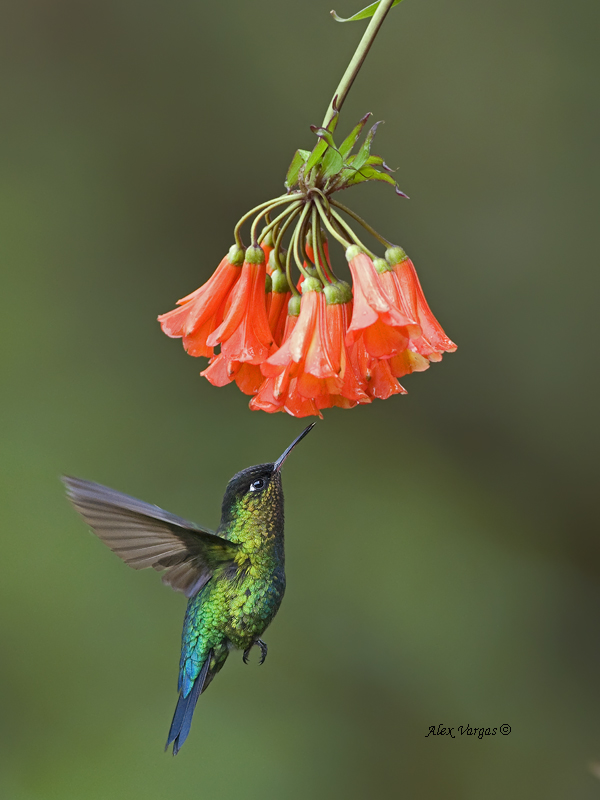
x: 279, y: 463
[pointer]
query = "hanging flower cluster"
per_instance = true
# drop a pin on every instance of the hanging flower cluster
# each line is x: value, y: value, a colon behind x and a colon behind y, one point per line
x: 304, y: 346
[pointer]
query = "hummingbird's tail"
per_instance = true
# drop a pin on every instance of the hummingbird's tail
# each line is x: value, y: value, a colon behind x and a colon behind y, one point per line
x: 182, y: 719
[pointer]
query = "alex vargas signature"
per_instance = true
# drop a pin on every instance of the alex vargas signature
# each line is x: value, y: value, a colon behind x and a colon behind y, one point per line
x: 467, y: 730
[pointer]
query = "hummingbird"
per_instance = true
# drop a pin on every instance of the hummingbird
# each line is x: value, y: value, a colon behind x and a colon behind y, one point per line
x: 234, y: 578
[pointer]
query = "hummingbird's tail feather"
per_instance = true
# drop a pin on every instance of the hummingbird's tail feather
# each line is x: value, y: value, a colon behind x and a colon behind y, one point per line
x: 182, y: 719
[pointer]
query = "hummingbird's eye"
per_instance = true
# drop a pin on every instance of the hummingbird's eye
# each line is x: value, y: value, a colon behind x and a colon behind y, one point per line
x: 256, y: 485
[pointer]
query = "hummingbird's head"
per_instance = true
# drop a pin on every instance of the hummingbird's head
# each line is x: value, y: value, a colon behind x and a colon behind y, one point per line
x: 257, y: 492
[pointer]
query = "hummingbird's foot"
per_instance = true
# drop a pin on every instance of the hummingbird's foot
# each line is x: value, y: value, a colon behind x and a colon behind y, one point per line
x: 263, y: 651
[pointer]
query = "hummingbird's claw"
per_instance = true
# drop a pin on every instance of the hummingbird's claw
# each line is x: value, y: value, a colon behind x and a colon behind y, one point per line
x: 263, y: 651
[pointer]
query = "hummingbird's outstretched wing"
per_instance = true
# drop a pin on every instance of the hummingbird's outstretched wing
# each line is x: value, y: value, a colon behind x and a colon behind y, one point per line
x: 144, y: 535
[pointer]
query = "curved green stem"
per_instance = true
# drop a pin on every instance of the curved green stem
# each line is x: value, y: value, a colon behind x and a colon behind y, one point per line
x: 345, y: 227
x: 317, y: 246
x: 357, y: 60
x: 288, y: 272
x: 344, y: 242
x: 262, y: 213
x: 283, y: 198
x: 362, y: 222
x: 279, y: 239
x: 298, y: 232
x: 324, y: 260
x: 277, y: 220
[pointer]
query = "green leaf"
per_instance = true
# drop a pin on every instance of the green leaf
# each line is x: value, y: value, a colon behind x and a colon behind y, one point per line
x: 360, y: 159
x: 379, y: 162
x: 323, y: 133
x: 332, y: 163
x: 326, y: 152
x: 299, y: 160
x: 316, y: 154
x: 352, y: 138
x: 370, y: 174
x: 332, y: 124
x: 364, y: 14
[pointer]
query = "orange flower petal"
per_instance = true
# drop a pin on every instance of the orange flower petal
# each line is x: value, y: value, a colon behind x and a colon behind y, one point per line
x: 382, y: 341
x: 434, y: 338
x: 249, y: 378
x: 220, y: 371
x: 202, y: 304
x: 406, y: 362
x: 278, y: 315
x: 383, y: 384
x: 245, y: 334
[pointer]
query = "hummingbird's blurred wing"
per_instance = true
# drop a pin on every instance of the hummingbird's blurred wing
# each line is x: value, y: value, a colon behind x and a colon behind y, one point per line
x: 144, y: 535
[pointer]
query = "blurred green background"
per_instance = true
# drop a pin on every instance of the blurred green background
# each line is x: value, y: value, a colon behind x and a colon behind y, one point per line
x: 443, y: 554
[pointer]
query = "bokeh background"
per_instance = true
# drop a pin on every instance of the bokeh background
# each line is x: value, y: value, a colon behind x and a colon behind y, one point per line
x: 443, y: 551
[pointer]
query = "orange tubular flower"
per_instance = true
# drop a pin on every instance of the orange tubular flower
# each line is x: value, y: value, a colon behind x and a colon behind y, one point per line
x: 202, y: 311
x: 350, y: 391
x: 244, y: 334
x: 433, y: 342
x: 377, y: 314
x: 278, y: 392
x: 312, y: 369
x: 278, y: 304
x: 292, y: 352
x: 221, y: 371
x: 376, y: 376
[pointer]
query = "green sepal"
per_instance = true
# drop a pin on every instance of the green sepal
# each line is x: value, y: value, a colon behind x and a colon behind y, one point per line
x: 267, y: 241
x: 381, y: 265
x: 255, y: 255
x: 337, y: 293
x: 311, y: 285
x: 236, y: 255
x: 395, y: 255
x: 294, y: 306
x: 268, y: 284
x: 298, y: 161
x: 279, y: 282
x: 364, y: 14
x: 353, y: 251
